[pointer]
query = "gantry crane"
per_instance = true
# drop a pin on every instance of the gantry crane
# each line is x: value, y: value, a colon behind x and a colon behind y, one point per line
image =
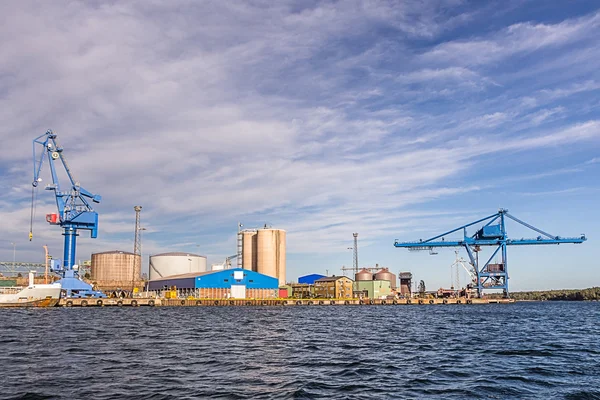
x: 490, y: 276
x: 74, y: 213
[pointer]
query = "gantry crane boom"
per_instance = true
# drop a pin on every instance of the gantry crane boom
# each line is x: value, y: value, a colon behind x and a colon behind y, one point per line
x: 74, y: 210
x: 492, y: 233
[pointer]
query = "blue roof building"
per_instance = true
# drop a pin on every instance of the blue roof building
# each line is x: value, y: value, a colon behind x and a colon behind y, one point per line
x: 310, y: 279
x: 226, y: 283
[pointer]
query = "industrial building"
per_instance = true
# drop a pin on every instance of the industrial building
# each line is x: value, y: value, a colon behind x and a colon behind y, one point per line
x: 373, y: 289
x: 263, y: 251
x: 405, y: 284
x: 339, y: 287
x: 374, y: 285
x: 235, y: 283
x: 310, y: 279
x: 169, y: 264
x: 302, y: 290
x: 285, y: 291
x: 113, y: 270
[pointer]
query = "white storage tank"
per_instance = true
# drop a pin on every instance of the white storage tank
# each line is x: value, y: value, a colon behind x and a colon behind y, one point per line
x: 169, y: 264
x: 217, y: 267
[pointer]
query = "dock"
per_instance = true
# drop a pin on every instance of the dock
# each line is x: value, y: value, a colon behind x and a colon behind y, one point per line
x: 109, y: 302
x: 154, y: 302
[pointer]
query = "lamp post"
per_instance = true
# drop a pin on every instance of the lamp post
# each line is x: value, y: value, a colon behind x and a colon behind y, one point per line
x: 350, y: 248
x: 46, y: 265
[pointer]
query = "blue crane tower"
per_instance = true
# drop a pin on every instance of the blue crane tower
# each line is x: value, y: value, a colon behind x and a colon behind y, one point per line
x: 489, y: 276
x: 74, y: 213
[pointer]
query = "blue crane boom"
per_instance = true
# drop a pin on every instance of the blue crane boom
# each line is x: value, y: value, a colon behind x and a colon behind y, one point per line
x: 492, y: 233
x: 74, y: 211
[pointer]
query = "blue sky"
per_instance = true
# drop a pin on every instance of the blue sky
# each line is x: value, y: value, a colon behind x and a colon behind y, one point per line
x: 397, y: 120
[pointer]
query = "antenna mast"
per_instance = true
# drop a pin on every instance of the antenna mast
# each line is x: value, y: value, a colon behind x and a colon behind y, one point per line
x: 137, y: 246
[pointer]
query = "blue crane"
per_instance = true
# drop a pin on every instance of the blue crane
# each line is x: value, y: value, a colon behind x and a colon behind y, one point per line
x: 74, y: 213
x: 489, y: 276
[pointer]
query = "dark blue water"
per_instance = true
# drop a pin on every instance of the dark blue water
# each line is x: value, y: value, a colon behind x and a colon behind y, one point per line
x: 524, y: 350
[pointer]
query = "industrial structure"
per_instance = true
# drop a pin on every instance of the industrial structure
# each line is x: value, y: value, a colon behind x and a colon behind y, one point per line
x: 239, y: 245
x: 116, y: 270
x: 75, y: 212
x: 374, y: 285
x: 235, y: 283
x: 169, y: 264
x: 355, y: 253
x: 137, y: 247
x: 337, y: 287
x: 13, y: 268
x: 225, y: 265
x: 263, y: 251
x: 491, y: 232
x: 302, y: 290
x: 405, y: 284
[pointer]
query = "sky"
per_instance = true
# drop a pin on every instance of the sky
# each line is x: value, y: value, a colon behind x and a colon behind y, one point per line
x: 393, y: 119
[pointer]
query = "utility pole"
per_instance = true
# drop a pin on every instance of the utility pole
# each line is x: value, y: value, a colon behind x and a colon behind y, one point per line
x: 137, y: 247
x: 355, y: 252
x: 46, y: 270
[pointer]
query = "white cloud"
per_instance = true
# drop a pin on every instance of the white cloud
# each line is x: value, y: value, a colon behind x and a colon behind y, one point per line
x: 545, y: 114
x: 517, y: 38
x: 575, y: 88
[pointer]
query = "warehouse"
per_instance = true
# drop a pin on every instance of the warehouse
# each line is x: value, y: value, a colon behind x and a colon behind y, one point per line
x: 339, y: 287
x: 310, y: 279
x: 235, y: 283
x: 373, y: 289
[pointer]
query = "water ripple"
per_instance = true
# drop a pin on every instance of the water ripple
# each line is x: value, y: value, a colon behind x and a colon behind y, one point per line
x: 525, y: 350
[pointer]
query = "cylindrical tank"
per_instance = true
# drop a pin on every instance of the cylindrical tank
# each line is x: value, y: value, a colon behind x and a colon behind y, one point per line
x: 169, y: 264
x: 116, y: 266
x: 270, y: 253
x: 394, y: 281
x: 216, y: 267
x: 363, y: 275
x: 249, y: 250
x: 386, y: 275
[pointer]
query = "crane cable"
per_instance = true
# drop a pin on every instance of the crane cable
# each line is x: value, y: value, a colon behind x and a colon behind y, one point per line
x: 33, y: 200
x: 32, y: 216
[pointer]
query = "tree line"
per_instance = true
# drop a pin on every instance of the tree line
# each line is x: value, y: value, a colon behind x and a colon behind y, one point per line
x: 556, y: 295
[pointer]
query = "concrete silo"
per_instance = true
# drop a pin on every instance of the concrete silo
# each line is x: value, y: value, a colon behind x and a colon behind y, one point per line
x: 386, y: 275
x: 270, y: 253
x: 363, y: 275
x: 177, y: 263
x: 249, y: 253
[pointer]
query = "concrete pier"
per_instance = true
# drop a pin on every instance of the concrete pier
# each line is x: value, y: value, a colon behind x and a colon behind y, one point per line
x: 137, y: 302
x: 326, y: 302
x: 151, y: 302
